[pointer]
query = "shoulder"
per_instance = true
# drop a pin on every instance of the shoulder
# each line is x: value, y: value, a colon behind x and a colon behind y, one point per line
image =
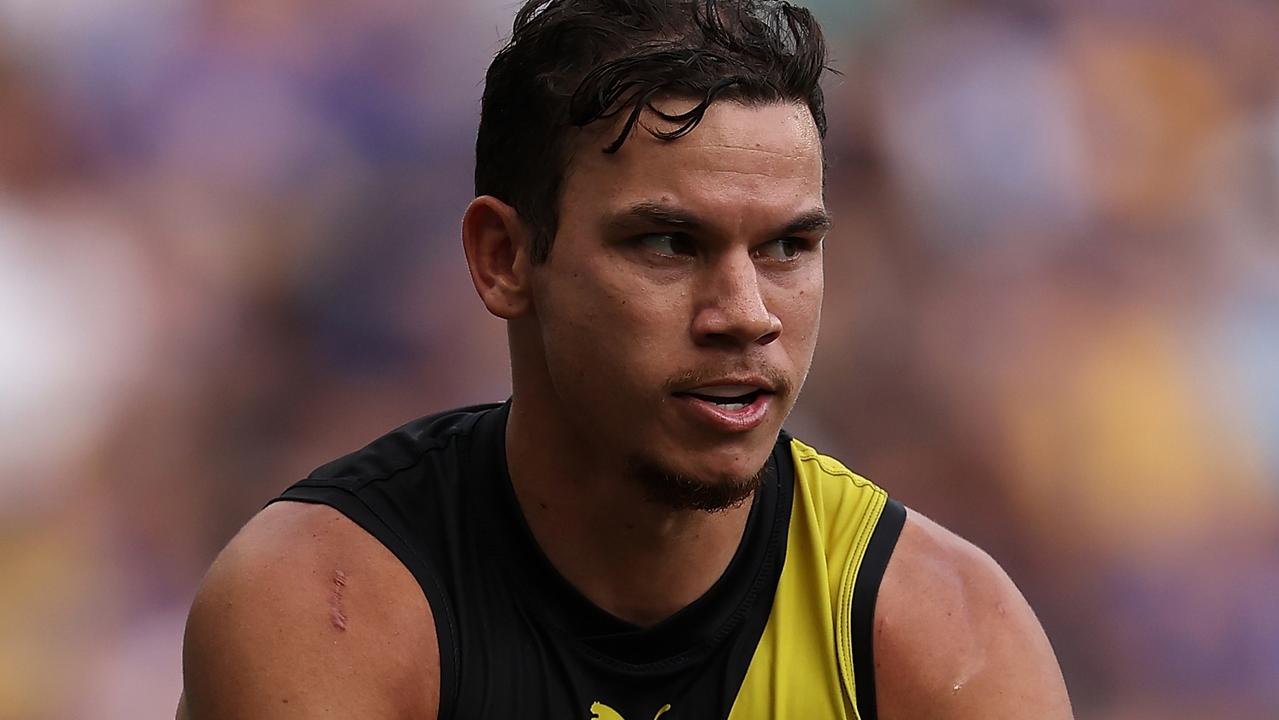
x: 411, y: 444
x: 304, y: 613
x: 954, y: 638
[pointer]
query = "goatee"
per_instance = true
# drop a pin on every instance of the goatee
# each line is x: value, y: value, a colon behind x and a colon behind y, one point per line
x: 686, y: 492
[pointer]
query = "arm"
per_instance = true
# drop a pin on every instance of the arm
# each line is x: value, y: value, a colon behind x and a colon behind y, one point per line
x: 955, y: 639
x: 306, y: 615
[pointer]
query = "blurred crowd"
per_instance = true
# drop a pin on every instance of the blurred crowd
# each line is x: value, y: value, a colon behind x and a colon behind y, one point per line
x: 229, y: 252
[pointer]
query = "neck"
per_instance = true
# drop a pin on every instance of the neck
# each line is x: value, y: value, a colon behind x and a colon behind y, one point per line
x: 636, y: 559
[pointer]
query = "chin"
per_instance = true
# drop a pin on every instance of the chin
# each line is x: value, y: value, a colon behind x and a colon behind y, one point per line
x: 708, y: 489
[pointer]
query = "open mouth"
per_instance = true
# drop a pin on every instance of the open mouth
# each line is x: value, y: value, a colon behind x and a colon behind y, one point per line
x: 731, y: 407
x: 728, y: 408
x: 728, y: 402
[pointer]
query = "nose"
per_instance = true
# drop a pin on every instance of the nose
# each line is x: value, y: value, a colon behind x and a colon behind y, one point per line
x: 731, y: 310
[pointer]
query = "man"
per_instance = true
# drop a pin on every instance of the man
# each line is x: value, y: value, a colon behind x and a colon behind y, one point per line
x: 632, y: 535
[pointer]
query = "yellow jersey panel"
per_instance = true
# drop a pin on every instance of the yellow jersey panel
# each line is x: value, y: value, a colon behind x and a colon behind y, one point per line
x: 784, y: 633
x: 803, y: 666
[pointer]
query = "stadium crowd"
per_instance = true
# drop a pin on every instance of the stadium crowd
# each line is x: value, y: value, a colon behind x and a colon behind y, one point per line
x: 229, y: 252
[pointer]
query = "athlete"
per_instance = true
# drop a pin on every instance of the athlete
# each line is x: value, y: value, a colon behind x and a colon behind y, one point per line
x: 632, y: 534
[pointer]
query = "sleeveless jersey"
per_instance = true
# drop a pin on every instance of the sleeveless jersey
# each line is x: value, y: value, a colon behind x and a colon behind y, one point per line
x: 784, y: 633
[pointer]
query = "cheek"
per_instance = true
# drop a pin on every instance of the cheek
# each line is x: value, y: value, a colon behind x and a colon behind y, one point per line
x: 801, y: 310
x: 605, y: 323
x: 644, y: 301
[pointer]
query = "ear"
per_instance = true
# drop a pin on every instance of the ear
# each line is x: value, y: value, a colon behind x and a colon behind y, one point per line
x: 496, y: 244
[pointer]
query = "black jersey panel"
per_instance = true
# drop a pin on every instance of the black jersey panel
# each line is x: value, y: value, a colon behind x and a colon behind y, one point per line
x: 407, y: 490
x: 865, y: 592
x: 516, y: 639
x: 349, y: 504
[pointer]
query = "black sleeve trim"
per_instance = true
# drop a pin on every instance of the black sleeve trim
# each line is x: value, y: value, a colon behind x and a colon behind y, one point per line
x: 355, y: 509
x: 865, y: 592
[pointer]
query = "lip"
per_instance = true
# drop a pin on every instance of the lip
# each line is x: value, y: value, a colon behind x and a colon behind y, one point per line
x: 720, y: 418
x: 752, y: 381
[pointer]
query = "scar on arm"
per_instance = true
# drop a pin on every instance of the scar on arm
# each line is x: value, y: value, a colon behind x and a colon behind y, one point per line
x: 336, y: 616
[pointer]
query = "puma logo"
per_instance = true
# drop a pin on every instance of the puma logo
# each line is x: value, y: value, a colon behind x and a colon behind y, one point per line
x: 600, y: 711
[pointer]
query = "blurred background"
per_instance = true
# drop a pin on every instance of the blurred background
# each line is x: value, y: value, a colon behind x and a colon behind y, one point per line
x: 229, y: 252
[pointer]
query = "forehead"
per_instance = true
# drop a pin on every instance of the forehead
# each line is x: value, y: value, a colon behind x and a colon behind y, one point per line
x: 742, y: 164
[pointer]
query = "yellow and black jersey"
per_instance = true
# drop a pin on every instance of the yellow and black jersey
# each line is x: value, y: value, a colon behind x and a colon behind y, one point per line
x: 784, y: 633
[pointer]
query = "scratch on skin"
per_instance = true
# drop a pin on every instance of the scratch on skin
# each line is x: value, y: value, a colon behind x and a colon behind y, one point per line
x: 336, y: 616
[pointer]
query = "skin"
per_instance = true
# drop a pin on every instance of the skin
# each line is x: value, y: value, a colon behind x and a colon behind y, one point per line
x: 621, y: 309
x: 633, y: 305
x: 261, y: 641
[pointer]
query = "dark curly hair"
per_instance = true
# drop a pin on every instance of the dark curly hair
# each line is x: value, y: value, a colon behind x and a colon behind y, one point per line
x: 570, y: 63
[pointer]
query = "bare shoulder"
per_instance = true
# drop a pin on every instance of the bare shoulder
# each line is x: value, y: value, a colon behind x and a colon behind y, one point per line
x: 304, y: 613
x: 954, y: 638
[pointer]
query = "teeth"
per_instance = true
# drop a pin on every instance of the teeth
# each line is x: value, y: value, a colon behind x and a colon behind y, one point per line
x: 734, y: 406
x: 726, y: 391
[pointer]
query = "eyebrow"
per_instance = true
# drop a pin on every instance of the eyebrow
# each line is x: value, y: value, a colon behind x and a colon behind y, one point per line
x: 811, y: 221
x: 657, y: 213
x: 673, y: 216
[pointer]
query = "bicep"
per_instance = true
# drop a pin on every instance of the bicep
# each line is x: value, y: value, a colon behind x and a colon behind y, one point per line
x: 1016, y: 674
x: 955, y: 639
x: 250, y: 656
x: 286, y: 632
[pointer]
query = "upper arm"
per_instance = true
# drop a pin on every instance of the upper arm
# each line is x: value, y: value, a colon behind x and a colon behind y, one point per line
x: 955, y: 639
x: 304, y: 614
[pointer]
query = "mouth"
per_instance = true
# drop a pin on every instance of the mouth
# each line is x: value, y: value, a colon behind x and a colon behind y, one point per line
x: 727, y: 407
x: 729, y: 397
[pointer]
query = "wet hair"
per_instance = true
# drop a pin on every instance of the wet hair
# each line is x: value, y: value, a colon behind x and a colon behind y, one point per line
x: 570, y: 63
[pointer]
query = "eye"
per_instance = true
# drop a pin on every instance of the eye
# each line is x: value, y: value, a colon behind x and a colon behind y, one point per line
x: 666, y: 244
x: 782, y: 249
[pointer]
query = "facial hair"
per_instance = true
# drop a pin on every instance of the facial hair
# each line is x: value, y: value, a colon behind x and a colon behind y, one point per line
x: 678, y: 491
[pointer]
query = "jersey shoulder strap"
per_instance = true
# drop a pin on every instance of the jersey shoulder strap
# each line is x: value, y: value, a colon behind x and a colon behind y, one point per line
x: 815, y: 657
